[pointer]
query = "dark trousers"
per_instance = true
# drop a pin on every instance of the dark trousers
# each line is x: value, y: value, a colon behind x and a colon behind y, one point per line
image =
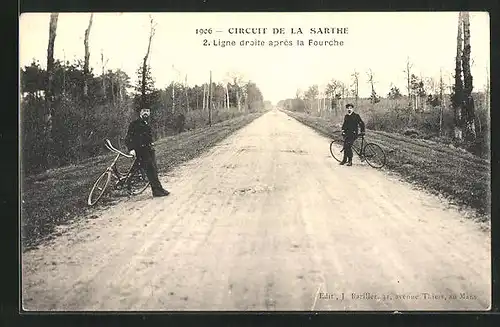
x: 348, y: 142
x: 147, y: 160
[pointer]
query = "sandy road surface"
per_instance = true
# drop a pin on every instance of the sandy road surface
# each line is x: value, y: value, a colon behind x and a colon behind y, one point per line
x: 267, y: 221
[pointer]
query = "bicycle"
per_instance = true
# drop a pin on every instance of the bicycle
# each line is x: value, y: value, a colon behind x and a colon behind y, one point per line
x: 371, y: 152
x: 134, y: 180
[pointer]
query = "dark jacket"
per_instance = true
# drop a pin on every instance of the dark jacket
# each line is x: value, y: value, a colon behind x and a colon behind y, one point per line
x: 139, y: 135
x: 351, y: 123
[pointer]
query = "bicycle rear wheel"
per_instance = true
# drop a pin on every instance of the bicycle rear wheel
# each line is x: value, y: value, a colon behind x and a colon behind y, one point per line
x: 138, y: 182
x: 337, y: 151
x: 374, y: 155
x: 99, y: 188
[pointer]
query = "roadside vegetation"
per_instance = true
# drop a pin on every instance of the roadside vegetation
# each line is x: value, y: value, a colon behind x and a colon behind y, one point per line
x: 67, y: 110
x: 436, y: 129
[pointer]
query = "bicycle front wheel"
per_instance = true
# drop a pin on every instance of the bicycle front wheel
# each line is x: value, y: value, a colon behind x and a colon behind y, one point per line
x: 374, y: 155
x: 138, y: 182
x: 337, y: 151
x: 99, y: 188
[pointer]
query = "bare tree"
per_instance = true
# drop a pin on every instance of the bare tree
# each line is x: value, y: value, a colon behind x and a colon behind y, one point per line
x: 318, y: 103
x: 210, y: 101
x: 103, y: 68
x: 344, y: 91
x: 424, y: 87
x: 145, y: 62
x: 468, y: 107
x: 407, y: 71
x: 112, y: 77
x: 186, y: 91
x: 86, y: 70
x: 331, y: 91
x: 120, y: 86
x: 226, y: 84
x: 204, y: 96
x: 173, y: 84
x: 298, y: 94
x: 457, y: 98
x: 237, y: 79
x: 355, y: 75
x: 373, y: 98
x: 430, y: 85
x: 87, y: 56
x: 49, y: 91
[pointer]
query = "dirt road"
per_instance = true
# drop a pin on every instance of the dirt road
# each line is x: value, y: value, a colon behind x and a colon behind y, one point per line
x: 267, y: 220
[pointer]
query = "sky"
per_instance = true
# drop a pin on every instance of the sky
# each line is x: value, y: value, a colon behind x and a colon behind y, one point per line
x: 380, y: 42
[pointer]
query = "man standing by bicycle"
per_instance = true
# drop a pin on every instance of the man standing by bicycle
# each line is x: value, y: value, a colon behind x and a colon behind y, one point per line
x: 350, y: 132
x: 139, y: 142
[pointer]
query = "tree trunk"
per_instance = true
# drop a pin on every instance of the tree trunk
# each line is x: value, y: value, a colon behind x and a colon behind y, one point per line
x: 357, y: 92
x: 119, y: 80
x: 441, y: 103
x: 197, y: 100
x: 204, y: 96
x: 238, y: 98
x: 458, y: 89
x: 87, y: 56
x: 210, y: 101
x: 102, y: 74
x: 173, y: 98
x: 186, y: 92
x: 145, y: 67
x: 468, y: 107
x: 408, y: 74
x: 113, y: 89
x: 49, y: 93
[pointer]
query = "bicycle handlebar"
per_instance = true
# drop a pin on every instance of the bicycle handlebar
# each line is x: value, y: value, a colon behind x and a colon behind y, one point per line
x: 112, y: 148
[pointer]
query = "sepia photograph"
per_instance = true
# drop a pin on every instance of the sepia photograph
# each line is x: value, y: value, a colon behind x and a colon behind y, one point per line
x: 255, y: 161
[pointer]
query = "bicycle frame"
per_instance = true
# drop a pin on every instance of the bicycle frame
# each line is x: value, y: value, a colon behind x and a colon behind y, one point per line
x: 127, y: 179
x: 360, y: 152
x: 367, y: 151
x: 121, y: 178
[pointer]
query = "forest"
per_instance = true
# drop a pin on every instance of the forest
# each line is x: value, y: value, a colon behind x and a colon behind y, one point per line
x: 428, y: 108
x: 67, y: 109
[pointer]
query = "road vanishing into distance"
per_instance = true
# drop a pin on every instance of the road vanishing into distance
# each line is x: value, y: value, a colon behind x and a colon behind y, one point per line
x: 267, y: 220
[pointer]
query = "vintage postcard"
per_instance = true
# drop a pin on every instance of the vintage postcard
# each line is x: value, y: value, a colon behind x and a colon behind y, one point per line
x: 326, y: 161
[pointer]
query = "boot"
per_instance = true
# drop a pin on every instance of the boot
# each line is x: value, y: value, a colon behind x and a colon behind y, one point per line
x: 344, y: 160
x: 159, y: 192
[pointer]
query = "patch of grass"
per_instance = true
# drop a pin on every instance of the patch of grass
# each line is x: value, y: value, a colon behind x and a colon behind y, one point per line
x: 458, y: 175
x: 58, y: 196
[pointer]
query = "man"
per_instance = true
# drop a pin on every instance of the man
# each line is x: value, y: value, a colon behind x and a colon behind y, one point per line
x: 139, y: 142
x: 350, y: 132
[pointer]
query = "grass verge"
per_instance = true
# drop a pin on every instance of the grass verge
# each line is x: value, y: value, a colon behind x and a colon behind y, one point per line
x: 59, y: 196
x: 461, y: 177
